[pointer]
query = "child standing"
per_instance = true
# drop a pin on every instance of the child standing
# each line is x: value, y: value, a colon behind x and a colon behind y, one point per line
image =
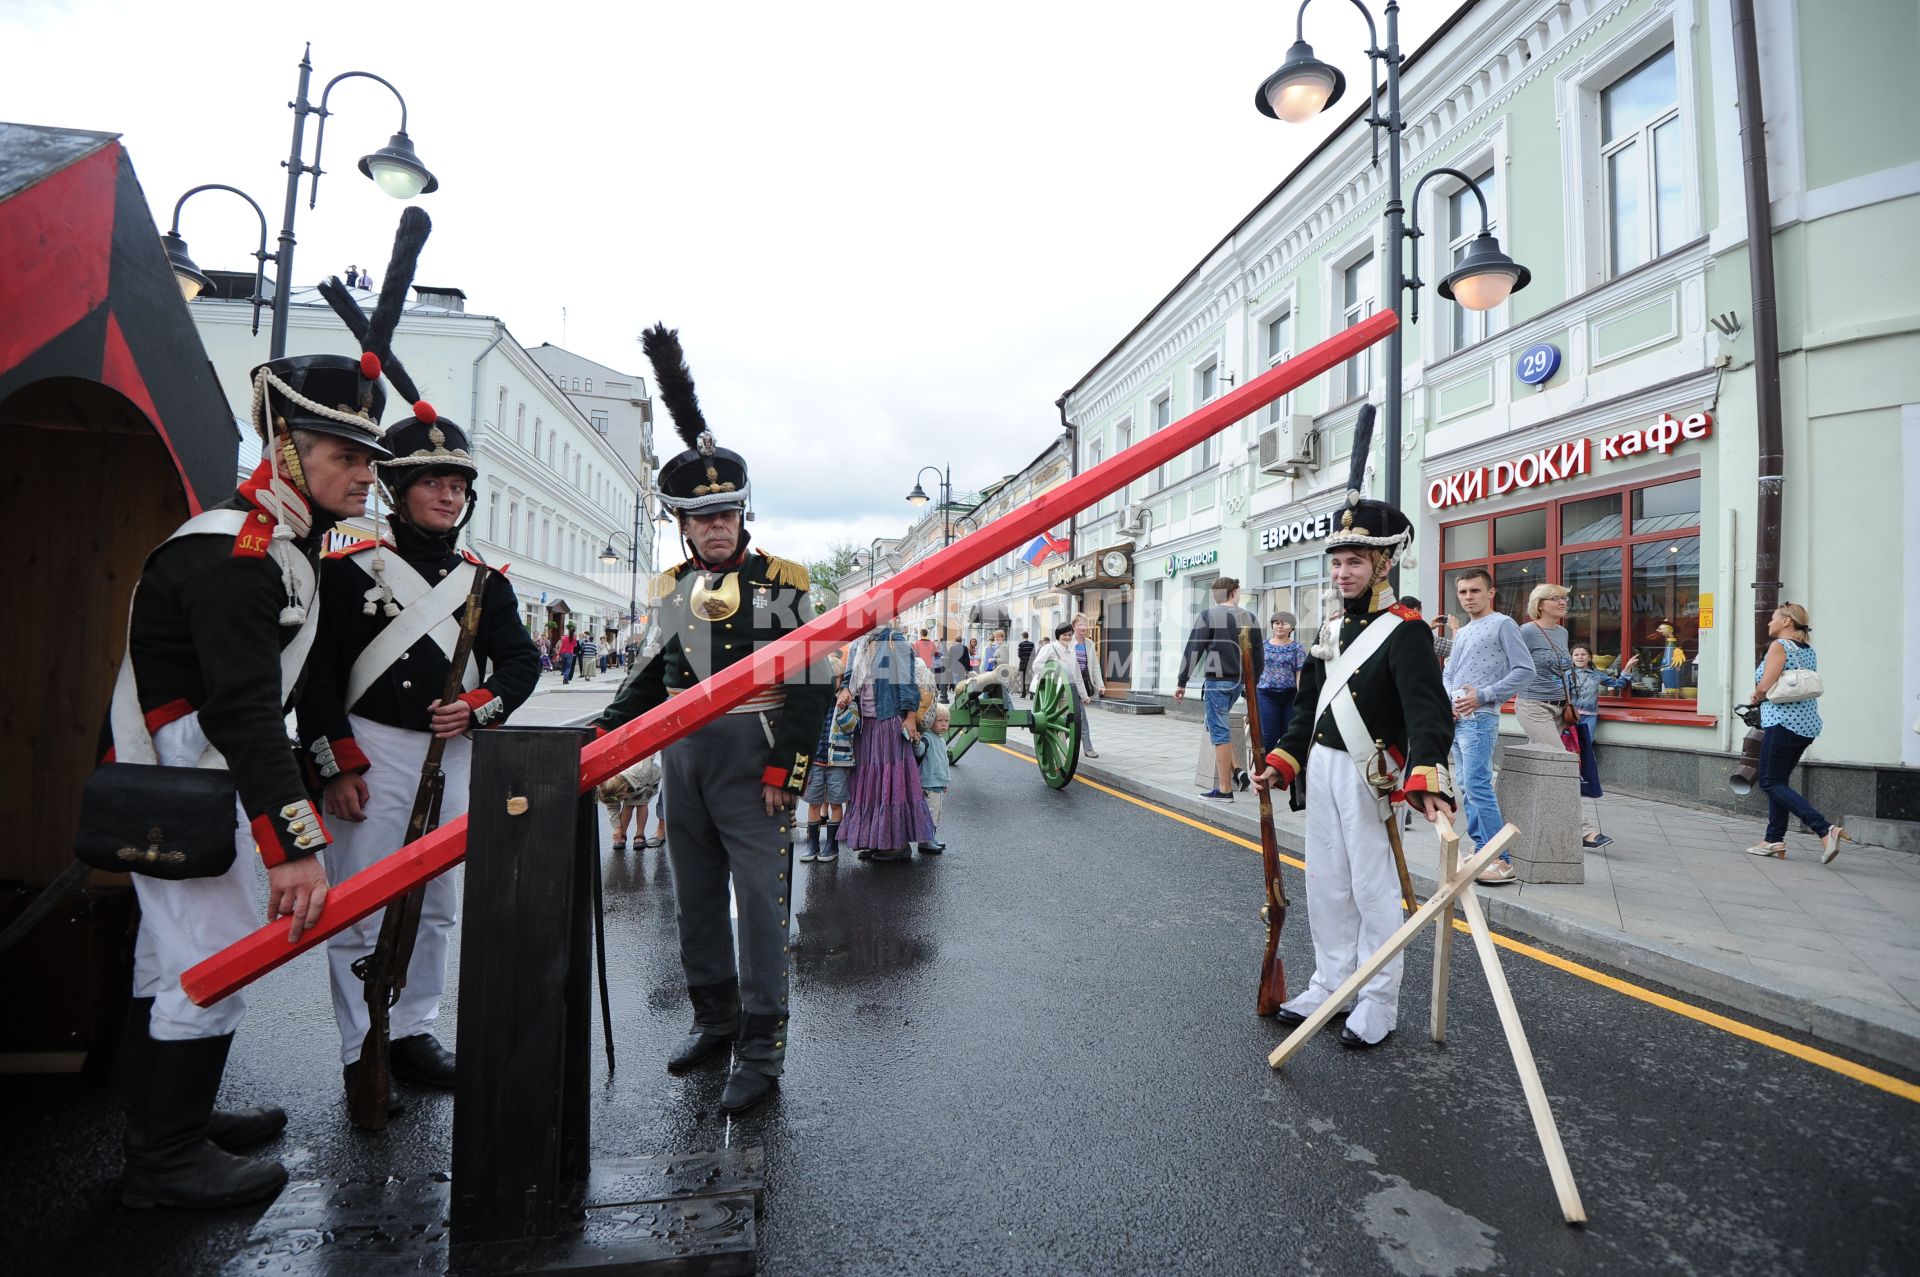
x: 830, y: 777
x: 931, y: 750
x: 628, y: 792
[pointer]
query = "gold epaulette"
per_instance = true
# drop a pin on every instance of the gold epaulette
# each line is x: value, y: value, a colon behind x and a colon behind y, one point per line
x: 664, y: 584
x: 788, y: 573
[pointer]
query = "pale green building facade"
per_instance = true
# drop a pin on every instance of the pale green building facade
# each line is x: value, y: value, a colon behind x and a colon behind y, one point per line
x: 1607, y: 136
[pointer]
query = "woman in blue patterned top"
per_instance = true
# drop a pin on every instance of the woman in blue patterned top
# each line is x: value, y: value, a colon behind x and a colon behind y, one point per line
x: 1788, y: 729
x: 1279, y: 678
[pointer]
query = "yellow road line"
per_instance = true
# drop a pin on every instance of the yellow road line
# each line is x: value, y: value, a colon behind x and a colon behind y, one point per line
x: 1713, y: 1019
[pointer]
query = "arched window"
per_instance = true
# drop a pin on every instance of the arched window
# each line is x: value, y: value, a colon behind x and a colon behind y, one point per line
x: 520, y: 423
x: 589, y: 385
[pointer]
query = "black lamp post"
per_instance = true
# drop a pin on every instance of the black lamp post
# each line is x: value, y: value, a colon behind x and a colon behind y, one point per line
x: 394, y: 168
x: 609, y: 556
x: 1305, y: 86
x: 918, y: 497
x: 192, y: 281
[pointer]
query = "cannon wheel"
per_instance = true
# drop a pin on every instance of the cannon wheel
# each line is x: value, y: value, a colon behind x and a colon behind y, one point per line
x: 1056, y: 729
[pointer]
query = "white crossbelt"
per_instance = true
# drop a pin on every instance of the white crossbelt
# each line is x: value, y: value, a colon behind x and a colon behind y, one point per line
x: 424, y: 610
x: 132, y: 742
x: 1354, y: 732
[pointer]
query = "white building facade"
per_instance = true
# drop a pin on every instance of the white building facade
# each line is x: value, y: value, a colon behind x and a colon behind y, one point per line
x: 552, y: 486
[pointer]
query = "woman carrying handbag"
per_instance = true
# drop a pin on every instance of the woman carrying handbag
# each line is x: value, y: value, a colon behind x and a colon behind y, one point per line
x: 1544, y: 704
x: 1787, y: 688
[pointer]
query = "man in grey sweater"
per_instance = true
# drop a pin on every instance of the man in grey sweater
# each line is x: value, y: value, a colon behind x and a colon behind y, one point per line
x: 1489, y: 663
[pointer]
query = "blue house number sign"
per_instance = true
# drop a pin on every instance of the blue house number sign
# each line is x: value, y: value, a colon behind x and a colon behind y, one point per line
x: 1537, y: 363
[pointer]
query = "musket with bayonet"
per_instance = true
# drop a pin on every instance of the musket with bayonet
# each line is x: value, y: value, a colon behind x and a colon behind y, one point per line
x: 383, y: 973
x: 1273, y: 971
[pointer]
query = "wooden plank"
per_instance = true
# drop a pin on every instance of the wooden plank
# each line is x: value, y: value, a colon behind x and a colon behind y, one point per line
x: 1443, y: 933
x: 519, y: 947
x: 1543, y: 1124
x: 1400, y: 939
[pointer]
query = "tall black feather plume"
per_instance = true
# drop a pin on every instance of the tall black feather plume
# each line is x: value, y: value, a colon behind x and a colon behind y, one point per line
x: 407, y: 243
x: 1362, y: 445
x: 356, y: 321
x: 674, y: 381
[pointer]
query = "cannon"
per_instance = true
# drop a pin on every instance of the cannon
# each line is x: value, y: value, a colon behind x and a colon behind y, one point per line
x: 983, y: 710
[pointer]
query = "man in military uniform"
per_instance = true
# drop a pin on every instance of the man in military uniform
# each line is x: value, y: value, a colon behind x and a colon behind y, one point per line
x: 1380, y: 730
x: 372, y: 706
x: 731, y: 785
x: 223, y: 617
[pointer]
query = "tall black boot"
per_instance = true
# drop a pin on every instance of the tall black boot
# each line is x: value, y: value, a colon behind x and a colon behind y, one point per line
x: 716, y: 1023
x: 233, y: 1130
x: 170, y: 1160
x: 757, y: 1061
x: 830, y: 841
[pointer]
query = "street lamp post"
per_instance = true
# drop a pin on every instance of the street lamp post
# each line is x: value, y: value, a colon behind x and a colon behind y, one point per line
x: 918, y: 497
x: 1302, y: 88
x: 394, y: 168
x: 609, y: 556
x: 189, y: 276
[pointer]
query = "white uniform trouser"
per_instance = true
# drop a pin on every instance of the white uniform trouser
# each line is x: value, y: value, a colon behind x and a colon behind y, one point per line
x: 394, y: 755
x: 183, y: 923
x: 1353, y: 893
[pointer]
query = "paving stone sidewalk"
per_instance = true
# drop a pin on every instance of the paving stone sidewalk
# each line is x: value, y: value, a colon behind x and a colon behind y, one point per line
x: 1831, y: 950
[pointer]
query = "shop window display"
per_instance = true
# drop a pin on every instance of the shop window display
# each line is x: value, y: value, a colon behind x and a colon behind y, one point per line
x: 1631, y: 560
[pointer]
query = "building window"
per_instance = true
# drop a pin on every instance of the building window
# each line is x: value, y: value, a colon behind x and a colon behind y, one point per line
x: 576, y: 383
x: 553, y: 442
x: 493, y: 517
x: 1161, y: 413
x: 1206, y: 387
x: 599, y: 419
x: 520, y: 425
x: 1357, y: 301
x: 513, y: 524
x: 1631, y: 558
x: 1276, y: 346
x: 1641, y: 169
x: 1293, y: 585
x: 1463, y: 224
x: 566, y: 458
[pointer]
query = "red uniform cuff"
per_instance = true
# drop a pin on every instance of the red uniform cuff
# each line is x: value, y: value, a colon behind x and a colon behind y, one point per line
x: 349, y: 757
x: 293, y: 832
x: 487, y: 708
x: 1283, y: 762
x: 775, y: 776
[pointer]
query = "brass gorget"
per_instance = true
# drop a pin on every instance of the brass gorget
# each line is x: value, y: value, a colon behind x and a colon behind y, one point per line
x: 716, y: 595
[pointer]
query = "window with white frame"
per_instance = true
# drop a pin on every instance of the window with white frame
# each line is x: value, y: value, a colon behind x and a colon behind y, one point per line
x: 1463, y: 224
x: 589, y: 385
x: 1276, y: 346
x: 1641, y: 170
x: 513, y: 525
x: 520, y: 424
x: 1206, y: 388
x: 1161, y: 414
x: 599, y: 419
x: 493, y: 517
x: 1359, y: 289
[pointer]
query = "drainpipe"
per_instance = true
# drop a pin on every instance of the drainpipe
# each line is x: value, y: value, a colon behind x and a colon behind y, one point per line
x: 473, y: 403
x: 1766, y: 352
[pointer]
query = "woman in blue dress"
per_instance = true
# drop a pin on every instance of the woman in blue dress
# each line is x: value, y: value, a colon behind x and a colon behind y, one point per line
x: 1788, y: 728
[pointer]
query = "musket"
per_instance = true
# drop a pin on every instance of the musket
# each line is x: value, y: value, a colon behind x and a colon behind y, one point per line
x: 383, y: 973
x: 1273, y: 971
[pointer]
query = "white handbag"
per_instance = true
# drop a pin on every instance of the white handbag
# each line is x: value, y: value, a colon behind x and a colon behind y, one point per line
x: 1795, y: 685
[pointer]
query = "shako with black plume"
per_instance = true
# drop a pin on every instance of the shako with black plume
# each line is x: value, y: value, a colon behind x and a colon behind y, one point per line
x: 1366, y: 521
x: 706, y: 477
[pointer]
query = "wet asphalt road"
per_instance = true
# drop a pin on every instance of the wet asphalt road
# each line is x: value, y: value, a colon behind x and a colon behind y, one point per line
x: 1037, y: 1055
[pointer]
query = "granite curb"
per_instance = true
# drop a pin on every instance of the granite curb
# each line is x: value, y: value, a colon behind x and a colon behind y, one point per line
x: 1848, y: 1022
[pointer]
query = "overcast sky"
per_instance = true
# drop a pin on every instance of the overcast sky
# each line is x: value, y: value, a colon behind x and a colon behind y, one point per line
x: 890, y: 234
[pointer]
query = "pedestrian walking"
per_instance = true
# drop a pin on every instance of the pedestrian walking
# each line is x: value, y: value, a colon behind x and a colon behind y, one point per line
x: 372, y: 710
x: 1489, y: 663
x: 1544, y: 704
x: 996, y: 655
x: 629, y: 792
x: 586, y: 656
x: 1789, y: 722
x: 1025, y: 652
x: 830, y: 780
x: 927, y: 651
x: 886, y: 811
x: 223, y: 617
x: 730, y: 785
x: 1378, y: 702
x: 955, y: 665
x: 935, y: 775
x: 568, y: 651
x: 1441, y: 626
x: 1062, y: 651
x: 1213, y: 656
x: 543, y: 644
x: 1280, y: 662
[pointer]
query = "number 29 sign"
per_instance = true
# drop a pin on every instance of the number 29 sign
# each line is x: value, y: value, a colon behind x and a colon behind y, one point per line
x: 1537, y: 363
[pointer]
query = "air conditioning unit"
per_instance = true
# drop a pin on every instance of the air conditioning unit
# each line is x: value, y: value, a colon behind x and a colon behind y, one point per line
x: 1289, y: 446
x: 1133, y: 519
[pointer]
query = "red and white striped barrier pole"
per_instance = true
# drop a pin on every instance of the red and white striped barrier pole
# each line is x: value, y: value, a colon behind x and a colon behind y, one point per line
x: 354, y: 898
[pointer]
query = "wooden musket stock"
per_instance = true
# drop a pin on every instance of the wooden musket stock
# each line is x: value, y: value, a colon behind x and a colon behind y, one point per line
x: 1273, y: 971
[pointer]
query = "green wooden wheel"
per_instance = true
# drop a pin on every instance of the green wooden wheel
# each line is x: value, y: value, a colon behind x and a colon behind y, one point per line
x: 1056, y: 729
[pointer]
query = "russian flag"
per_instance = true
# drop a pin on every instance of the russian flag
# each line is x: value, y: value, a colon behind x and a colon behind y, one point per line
x: 1043, y: 545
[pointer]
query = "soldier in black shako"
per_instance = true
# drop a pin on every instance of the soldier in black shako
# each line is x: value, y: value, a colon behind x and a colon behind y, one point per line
x: 223, y: 619
x: 393, y: 609
x: 730, y: 787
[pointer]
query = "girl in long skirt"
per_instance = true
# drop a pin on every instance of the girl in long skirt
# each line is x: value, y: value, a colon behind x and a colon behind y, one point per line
x: 886, y: 812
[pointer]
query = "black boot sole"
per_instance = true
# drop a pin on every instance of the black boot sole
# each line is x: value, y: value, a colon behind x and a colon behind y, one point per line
x: 680, y: 1064
x: 268, y: 1187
